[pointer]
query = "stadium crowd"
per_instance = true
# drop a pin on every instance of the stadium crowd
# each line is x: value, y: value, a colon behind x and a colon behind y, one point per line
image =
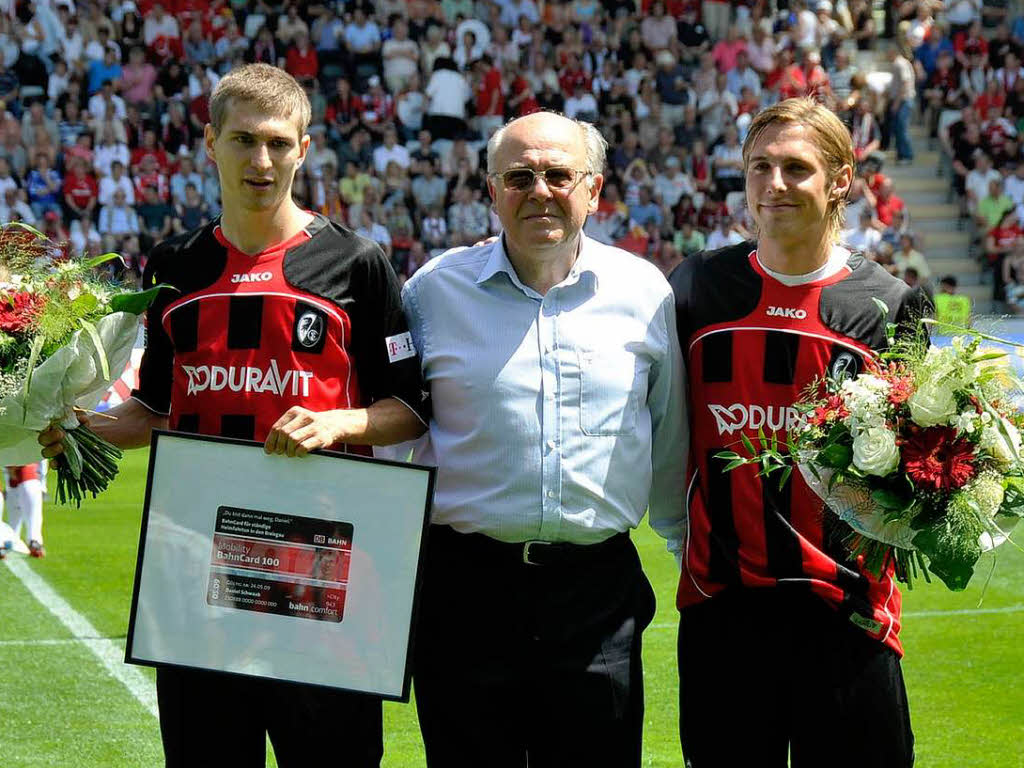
x: 102, y: 108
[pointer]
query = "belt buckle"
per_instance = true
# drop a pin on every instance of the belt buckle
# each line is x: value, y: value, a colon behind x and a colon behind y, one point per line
x: 526, y: 550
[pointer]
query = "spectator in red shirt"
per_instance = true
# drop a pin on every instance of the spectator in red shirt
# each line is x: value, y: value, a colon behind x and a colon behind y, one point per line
x: 572, y: 75
x: 726, y: 50
x: 521, y: 97
x: 490, y: 99
x: 80, y: 189
x: 992, y: 101
x: 300, y: 61
x: 886, y: 203
x: 343, y: 111
x: 149, y: 148
x: 150, y: 175
x: 378, y: 108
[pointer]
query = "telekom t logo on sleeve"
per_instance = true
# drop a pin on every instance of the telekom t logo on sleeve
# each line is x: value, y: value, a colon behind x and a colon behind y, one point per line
x: 400, y: 347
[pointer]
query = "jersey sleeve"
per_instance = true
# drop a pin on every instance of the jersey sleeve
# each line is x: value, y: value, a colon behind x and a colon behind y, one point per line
x: 154, y: 390
x: 385, y: 356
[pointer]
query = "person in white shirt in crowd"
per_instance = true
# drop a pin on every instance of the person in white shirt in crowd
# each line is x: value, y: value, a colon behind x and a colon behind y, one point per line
x: 319, y: 153
x: 85, y: 238
x: 185, y: 175
x: 743, y: 75
x: 390, y: 151
x: 724, y: 234
x: 159, y: 23
x: 118, y: 220
x: 400, y: 56
x: 372, y: 230
x: 14, y: 208
x: 864, y: 237
x: 117, y: 179
x: 717, y: 108
x: 106, y: 102
x: 671, y: 182
x: 447, y: 94
x: 581, y: 105
x: 978, y: 179
x: 1013, y: 187
x: 7, y: 181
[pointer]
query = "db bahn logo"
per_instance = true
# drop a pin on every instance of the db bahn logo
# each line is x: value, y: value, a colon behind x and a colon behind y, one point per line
x: 735, y: 417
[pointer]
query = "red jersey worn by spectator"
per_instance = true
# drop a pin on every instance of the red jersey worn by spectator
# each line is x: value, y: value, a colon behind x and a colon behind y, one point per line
x: 747, y: 366
x: 81, y: 189
x: 489, y: 88
x: 302, y: 64
x: 885, y: 208
x: 154, y: 178
x: 1003, y: 238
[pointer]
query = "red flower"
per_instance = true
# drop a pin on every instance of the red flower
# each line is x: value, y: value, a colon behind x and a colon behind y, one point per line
x: 834, y: 409
x: 937, y: 459
x: 900, y: 390
x: 18, y: 311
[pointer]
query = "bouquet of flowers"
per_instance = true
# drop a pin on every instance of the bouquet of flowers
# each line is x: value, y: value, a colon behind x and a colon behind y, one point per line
x: 920, y: 457
x: 65, y: 336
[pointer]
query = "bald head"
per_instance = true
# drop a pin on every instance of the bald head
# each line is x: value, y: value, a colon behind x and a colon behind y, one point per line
x: 541, y: 129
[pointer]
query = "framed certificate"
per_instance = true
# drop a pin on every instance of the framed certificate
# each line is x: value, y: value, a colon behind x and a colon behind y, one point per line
x: 298, y: 569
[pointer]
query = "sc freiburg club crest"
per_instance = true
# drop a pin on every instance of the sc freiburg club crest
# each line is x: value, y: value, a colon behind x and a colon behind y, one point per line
x: 309, y: 329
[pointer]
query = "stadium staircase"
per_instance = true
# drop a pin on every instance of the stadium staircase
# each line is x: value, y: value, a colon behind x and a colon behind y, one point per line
x: 945, y: 241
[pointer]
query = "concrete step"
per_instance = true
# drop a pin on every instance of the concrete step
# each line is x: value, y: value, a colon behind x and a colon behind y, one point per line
x: 946, y: 239
x: 931, y: 224
x: 922, y: 157
x: 919, y: 211
x: 979, y: 294
x: 946, y: 266
x: 913, y: 199
x: 930, y: 183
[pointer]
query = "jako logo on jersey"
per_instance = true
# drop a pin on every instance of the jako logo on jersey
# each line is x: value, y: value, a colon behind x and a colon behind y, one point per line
x: 796, y: 314
x: 731, y: 418
x: 247, y: 379
x: 309, y: 329
x: 252, y: 277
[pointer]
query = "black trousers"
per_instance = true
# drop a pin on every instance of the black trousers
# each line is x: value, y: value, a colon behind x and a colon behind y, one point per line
x: 764, y: 674
x: 223, y: 720
x: 540, y: 663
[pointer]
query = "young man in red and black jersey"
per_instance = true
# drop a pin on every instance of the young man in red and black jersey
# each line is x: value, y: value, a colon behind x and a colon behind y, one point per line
x: 788, y: 647
x: 283, y: 328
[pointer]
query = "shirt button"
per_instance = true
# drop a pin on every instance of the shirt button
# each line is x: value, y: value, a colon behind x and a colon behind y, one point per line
x: 551, y: 445
x: 551, y: 494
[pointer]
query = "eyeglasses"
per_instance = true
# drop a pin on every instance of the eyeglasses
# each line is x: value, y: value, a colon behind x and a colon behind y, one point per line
x: 557, y: 179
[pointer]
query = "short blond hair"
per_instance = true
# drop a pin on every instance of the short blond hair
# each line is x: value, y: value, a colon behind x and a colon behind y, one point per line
x: 268, y: 88
x: 831, y: 138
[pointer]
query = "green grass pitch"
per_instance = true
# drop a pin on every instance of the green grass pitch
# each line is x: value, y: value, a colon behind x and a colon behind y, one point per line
x: 60, y: 707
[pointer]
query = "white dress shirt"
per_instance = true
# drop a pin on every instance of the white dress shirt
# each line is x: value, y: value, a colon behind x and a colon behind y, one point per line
x: 558, y: 417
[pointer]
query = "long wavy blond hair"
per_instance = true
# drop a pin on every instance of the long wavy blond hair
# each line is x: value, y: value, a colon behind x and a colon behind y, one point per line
x: 831, y: 138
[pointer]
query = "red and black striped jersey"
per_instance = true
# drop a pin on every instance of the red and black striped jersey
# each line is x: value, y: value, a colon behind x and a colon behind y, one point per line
x: 315, y: 321
x: 752, y: 344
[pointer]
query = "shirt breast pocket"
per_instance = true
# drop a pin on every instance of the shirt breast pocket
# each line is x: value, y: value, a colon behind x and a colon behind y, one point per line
x: 609, y: 392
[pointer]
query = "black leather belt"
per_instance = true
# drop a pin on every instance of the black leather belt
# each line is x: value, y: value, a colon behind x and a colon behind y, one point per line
x: 536, y: 552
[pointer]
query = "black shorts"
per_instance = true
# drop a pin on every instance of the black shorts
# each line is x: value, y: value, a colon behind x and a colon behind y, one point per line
x: 765, y: 674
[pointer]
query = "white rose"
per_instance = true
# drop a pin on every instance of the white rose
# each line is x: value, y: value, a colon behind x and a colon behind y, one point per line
x: 932, y: 404
x: 1004, y: 447
x: 875, y: 451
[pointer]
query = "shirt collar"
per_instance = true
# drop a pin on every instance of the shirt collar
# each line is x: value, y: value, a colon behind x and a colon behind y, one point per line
x: 498, y: 261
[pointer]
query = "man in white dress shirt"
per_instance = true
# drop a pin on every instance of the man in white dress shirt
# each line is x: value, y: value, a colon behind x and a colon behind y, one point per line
x: 558, y: 421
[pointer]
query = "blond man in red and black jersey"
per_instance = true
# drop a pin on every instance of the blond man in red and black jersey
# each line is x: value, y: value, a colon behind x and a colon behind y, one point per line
x: 788, y: 648
x: 283, y: 328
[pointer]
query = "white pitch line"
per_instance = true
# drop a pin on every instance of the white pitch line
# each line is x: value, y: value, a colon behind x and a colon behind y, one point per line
x: 110, y: 655
x: 919, y: 614
x: 40, y: 641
